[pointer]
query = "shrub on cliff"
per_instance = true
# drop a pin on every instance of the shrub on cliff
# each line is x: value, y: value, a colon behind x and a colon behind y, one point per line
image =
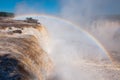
x: 31, y: 20
x: 6, y: 14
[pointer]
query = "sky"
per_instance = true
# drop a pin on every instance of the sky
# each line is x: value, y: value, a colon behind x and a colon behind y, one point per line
x: 48, y: 6
x: 76, y: 11
x: 55, y: 6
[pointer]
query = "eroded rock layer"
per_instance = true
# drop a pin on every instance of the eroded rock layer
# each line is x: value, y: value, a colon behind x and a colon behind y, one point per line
x: 21, y: 55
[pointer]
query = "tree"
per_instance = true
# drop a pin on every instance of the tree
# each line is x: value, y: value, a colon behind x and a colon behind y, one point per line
x: 6, y: 14
x: 31, y: 20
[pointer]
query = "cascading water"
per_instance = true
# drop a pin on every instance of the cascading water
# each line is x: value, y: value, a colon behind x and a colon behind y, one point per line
x: 75, y: 54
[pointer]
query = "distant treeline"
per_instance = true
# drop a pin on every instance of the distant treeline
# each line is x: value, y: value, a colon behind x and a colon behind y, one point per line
x: 6, y: 14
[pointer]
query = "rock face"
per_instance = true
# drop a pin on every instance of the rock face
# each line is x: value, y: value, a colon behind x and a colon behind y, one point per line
x: 22, y: 56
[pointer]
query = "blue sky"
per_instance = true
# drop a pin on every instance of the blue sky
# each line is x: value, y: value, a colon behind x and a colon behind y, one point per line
x: 8, y: 5
x: 56, y: 6
x: 49, y: 6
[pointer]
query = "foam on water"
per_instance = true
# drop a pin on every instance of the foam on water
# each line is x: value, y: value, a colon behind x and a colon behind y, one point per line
x: 75, y: 53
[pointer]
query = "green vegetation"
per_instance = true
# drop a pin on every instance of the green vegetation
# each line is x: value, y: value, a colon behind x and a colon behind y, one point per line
x: 31, y: 20
x: 6, y: 14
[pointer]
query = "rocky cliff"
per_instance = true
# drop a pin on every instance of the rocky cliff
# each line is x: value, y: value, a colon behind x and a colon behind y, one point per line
x: 22, y: 56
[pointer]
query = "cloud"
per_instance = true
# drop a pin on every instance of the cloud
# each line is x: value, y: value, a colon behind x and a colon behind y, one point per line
x: 82, y: 11
x: 76, y: 10
x: 23, y: 8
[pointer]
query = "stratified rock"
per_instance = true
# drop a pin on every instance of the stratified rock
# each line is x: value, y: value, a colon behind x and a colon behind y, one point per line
x: 22, y: 56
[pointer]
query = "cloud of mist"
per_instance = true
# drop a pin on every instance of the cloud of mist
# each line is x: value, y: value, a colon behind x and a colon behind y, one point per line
x: 83, y: 11
x: 23, y: 8
x: 107, y: 32
x: 74, y: 53
x: 49, y: 7
x: 80, y: 12
x: 71, y: 50
x: 76, y: 11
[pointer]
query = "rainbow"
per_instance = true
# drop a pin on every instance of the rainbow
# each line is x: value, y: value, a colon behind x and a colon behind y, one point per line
x: 88, y: 34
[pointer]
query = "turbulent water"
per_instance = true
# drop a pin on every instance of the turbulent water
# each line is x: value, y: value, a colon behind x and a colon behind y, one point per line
x: 22, y: 54
x: 75, y: 54
x: 108, y: 33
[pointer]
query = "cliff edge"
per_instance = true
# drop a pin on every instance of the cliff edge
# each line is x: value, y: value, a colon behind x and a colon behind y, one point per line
x: 22, y: 56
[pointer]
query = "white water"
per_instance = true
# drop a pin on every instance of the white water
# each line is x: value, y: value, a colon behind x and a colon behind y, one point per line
x: 76, y: 56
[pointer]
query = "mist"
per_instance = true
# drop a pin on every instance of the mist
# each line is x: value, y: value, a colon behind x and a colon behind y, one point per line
x: 23, y: 8
x: 99, y: 17
x: 74, y: 53
x: 83, y: 11
x: 68, y: 44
